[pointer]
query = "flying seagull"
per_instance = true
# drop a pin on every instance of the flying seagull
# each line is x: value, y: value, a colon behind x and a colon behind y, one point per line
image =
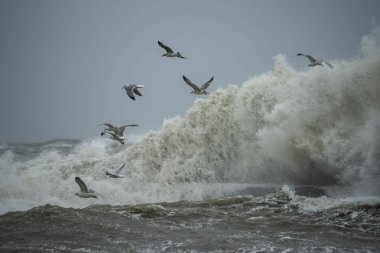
x: 132, y: 89
x: 314, y: 62
x: 116, y: 173
x: 169, y: 51
x: 198, y: 90
x: 118, y: 130
x: 115, y: 137
x: 84, y: 191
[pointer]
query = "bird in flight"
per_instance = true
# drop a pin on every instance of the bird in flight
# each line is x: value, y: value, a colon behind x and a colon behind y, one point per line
x: 198, y: 90
x: 314, y: 62
x: 116, y: 173
x: 132, y: 89
x: 84, y: 191
x: 169, y: 51
x: 118, y: 130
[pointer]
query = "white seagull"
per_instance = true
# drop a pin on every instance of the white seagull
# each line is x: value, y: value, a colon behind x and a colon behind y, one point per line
x: 84, y: 191
x: 132, y: 89
x: 169, y: 51
x: 198, y: 90
x: 314, y: 62
x: 118, y: 130
x: 116, y: 173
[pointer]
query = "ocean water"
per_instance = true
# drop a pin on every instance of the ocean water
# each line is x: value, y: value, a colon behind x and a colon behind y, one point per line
x: 288, y: 161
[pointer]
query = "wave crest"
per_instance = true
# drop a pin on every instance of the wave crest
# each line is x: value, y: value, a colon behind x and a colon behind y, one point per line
x: 315, y: 126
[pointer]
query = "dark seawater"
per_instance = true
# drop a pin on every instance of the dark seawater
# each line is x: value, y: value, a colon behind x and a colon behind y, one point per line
x: 275, y: 222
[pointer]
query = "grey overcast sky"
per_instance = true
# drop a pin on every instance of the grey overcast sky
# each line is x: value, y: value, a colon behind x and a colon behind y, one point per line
x: 63, y: 63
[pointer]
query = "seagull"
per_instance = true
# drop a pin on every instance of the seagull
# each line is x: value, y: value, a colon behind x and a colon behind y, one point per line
x: 116, y: 173
x: 198, y: 90
x: 314, y: 62
x: 84, y: 192
x: 169, y: 51
x: 115, y: 137
x: 132, y: 89
x: 118, y: 130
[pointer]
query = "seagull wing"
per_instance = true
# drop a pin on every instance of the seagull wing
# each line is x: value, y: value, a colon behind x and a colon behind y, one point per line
x: 190, y: 83
x: 128, y: 89
x: 311, y: 59
x: 118, y: 170
x: 328, y: 64
x: 115, y: 136
x: 180, y: 56
x: 82, y: 185
x: 204, y: 86
x: 136, y: 90
x: 168, y: 49
x: 108, y: 125
x: 120, y: 130
x: 130, y: 93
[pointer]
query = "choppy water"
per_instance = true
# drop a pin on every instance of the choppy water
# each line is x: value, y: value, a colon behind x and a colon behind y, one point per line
x: 278, y: 222
x: 286, y: 162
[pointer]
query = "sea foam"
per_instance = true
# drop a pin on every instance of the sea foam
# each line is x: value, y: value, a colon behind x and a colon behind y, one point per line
x: 314, y: 126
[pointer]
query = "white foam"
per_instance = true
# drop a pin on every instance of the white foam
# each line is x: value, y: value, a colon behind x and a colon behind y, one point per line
x: 284, y: 126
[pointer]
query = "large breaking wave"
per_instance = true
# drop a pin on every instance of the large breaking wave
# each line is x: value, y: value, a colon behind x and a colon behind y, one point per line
x: 317, y: 126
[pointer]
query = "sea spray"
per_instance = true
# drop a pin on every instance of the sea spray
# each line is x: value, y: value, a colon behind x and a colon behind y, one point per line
x: 312, y: 126
x: 316, y: 126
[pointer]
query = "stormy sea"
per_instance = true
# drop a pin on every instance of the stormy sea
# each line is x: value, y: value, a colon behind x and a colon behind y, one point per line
x: 288, y: 161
